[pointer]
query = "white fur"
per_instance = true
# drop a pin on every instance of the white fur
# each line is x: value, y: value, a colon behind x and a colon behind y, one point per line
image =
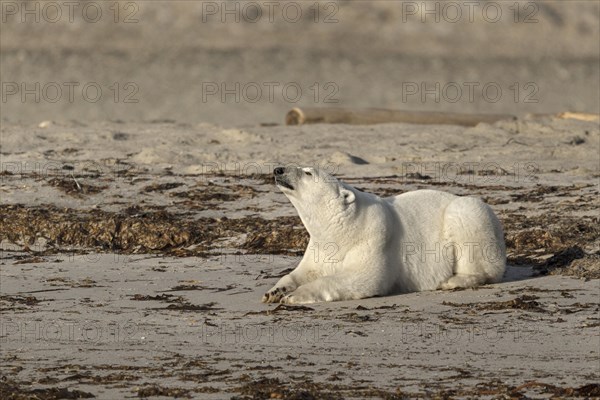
x: 362, y: 245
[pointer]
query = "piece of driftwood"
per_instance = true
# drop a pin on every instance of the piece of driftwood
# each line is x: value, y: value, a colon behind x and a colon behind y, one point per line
x: 579, y: 116
x: 368, y: 116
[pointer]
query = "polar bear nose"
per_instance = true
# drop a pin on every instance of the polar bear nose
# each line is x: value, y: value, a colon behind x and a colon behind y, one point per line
x: 278, y: 171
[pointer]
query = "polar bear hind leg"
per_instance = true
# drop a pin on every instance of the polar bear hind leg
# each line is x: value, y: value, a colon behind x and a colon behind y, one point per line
x: 477, y: 240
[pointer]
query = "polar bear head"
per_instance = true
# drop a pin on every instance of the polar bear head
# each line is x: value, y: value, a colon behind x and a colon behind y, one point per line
x: 322, y: 201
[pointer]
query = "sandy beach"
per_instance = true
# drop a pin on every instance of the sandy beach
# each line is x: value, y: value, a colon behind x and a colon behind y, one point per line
x: 134, y: 263
x: 140, y: 224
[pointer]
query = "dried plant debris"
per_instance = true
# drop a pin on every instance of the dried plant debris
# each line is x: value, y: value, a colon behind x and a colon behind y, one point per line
x: 565, y: 257
x: 210, y: 195
x: 383, y: 307
x: 540, y: 192
x: 554, y: 244
x: 82, y: 283
x: 175, y: 302
x: 186, y: 306
x: 16, y: 302
x: 161, y: 187
x: 549, y: 230
x: 145, y: 231
x: 523, y: 302
x: 273, y: 388
x: 169, y: 298
x: 156, y: 390
x: 12, y: 390
x: 564, y: 292
x: 185, y: 287
x: 263, y: 179
x: 286, y: 307
x: 587, y: 267
x: 586, y: 391
x: 285, y: 235
x: 355, y: 317
x: 273, y: 275
x: 550, y: 242
x: 139, y: 230
x: 65, y: 368
x: 280, y: 308
x: 74, y: 187
x: 28, y: 260
x: 27, y: 300
x: 88, y: 378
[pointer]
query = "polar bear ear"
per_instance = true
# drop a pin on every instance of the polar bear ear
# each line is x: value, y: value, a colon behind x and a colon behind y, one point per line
x: 348, y: 196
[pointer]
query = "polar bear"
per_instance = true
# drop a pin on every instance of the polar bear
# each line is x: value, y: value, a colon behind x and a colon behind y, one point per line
x: 362, y: 245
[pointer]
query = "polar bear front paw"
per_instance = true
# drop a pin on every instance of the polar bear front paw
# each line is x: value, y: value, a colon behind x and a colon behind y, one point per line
x: 275, y: 295
x: 300, y: 296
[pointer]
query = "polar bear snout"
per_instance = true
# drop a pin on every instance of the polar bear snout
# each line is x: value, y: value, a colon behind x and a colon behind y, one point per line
x: 282, y: 178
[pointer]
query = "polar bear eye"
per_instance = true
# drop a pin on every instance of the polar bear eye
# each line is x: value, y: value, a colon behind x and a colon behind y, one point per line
x: 308, y: 173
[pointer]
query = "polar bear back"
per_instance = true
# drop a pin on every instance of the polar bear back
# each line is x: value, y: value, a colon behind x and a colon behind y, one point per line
x: 420, y: 241
x: 421, y: 211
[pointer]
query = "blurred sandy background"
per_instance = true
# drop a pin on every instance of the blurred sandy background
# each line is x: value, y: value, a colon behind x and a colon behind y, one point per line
x: 542, y: 55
